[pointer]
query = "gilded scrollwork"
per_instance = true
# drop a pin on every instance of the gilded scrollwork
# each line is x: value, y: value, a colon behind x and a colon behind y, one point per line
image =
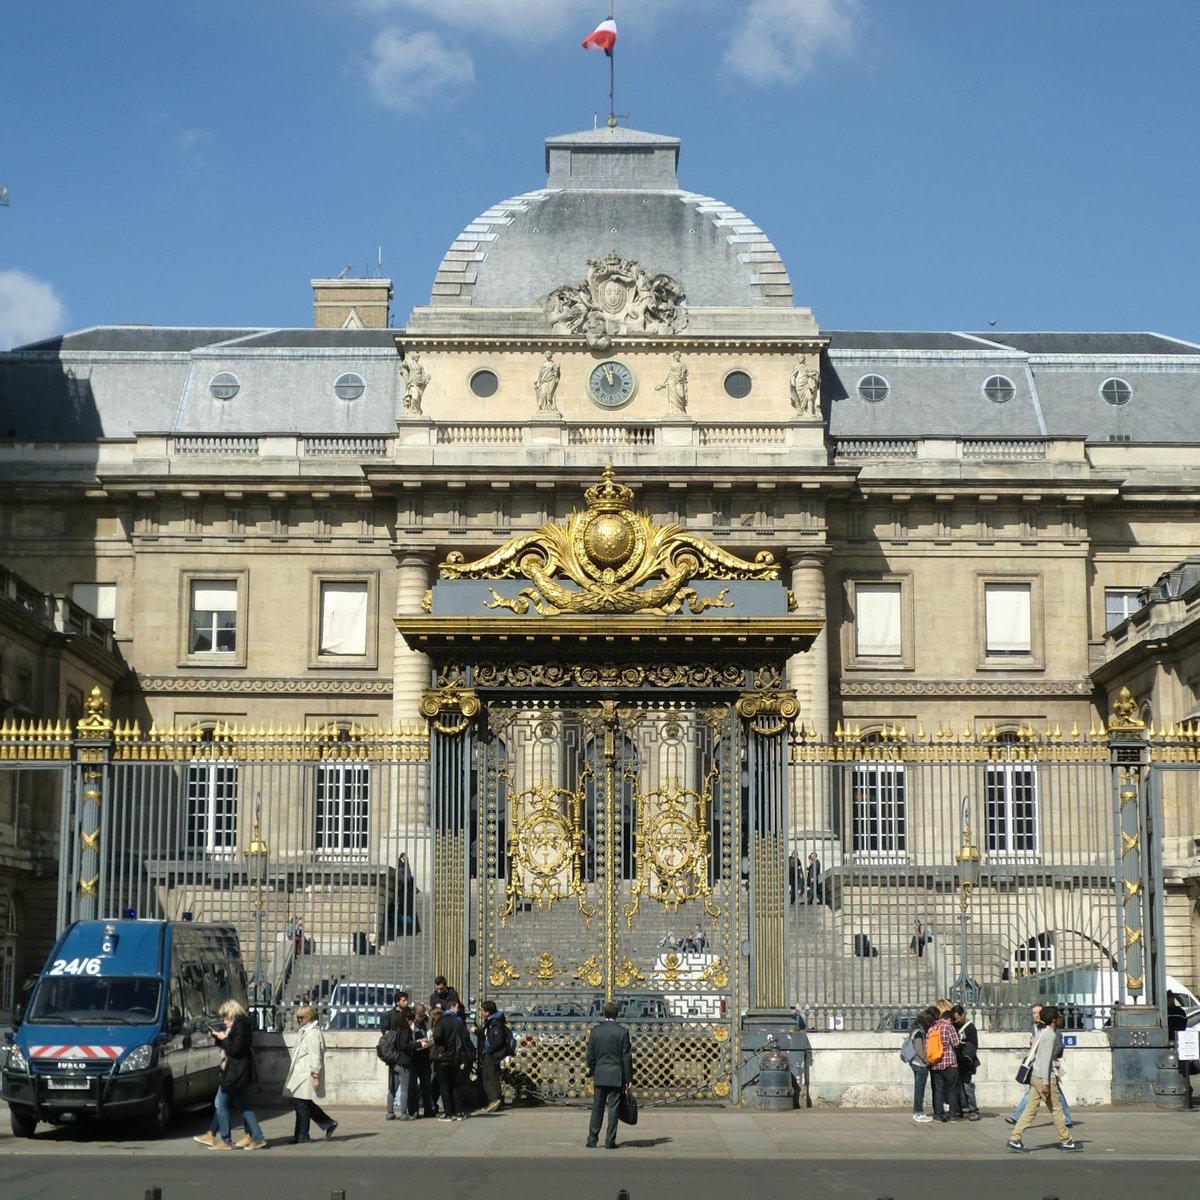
x: 502, y: 973
x: 1125, y: 713
x: 450, y: 709
x: 609, y: 675
x: 768, y: 713
x: 547, y: 970
x: 590, y: 972
x: 608, y: 558
x: 672, y: 846
x: 628, y: 974
x: 546, y: 846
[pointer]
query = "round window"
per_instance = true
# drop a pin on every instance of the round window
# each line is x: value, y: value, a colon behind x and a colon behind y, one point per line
x: 737, y: 385
x: 349, y: 386
x: 484, y: 384
x: 874, y: 388
x: 1116, y: 391
x: 999, y: 389
x: 224, y: 386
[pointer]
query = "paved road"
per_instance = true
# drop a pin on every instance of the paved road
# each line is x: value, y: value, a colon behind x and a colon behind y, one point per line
x: 529, y: 1154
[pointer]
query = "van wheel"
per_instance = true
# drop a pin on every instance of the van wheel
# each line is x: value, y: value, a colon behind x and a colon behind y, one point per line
x: 23, y: 1123
x: 160, y: 1118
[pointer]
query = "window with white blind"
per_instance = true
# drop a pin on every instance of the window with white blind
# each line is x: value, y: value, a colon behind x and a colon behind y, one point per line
x: 877, y: 620
x: 343, y: 793
x: 344, y: 607
x: 214, y: 612
x: 99, y: 599
x: 1007, y: 618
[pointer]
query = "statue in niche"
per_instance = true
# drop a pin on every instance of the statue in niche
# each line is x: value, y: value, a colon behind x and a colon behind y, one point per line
x: 675, y: 385
x: 617, y: 296
x: 806, y: 391
x: 547, y: 383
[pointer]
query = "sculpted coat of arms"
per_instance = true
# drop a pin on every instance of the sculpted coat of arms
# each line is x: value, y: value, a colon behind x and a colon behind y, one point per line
x: 618, y: 296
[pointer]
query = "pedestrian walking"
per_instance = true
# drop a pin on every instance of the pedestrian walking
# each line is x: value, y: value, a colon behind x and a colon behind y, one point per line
x: 1043, y: 1084
x: 493, y: 1050
x: 305, y: 1081
x: 610, y: 1064
x: 236, y: 1040
x: 1035, y: 1014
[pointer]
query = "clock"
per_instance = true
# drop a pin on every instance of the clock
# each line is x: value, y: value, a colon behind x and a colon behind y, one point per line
x: 612, y: 384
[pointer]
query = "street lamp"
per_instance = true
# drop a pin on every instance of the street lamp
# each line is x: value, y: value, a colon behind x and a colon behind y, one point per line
x: 965, y: 990
x: 256, y: 867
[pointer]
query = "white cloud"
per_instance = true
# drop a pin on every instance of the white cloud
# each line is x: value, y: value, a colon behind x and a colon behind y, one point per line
x: 406, y: 70
x: 29, y: 309
x: 778, y: 41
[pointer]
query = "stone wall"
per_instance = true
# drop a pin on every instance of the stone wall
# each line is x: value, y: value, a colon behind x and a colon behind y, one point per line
x: 848, y: 1070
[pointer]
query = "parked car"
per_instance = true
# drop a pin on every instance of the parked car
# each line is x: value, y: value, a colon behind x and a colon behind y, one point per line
x: 360, y: 1005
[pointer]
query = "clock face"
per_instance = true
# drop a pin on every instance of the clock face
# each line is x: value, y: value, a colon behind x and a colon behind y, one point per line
x: 612, y: 384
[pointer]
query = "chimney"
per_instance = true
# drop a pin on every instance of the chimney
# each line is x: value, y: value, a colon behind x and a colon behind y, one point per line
x: 351, y: 303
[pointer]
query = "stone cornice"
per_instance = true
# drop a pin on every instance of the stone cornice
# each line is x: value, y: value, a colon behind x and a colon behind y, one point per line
x: 241, y: 685
x: 966, y: 687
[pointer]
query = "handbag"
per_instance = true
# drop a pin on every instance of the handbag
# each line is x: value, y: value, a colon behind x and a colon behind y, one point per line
x: 1024, y: 1073
x: 627, y: 1108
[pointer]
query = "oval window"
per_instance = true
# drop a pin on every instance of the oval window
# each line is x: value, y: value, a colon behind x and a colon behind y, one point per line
x: 224, y: 386
x: 874, y: 388
x: 349, y: 386
x: 484, y: 384
x: 1116, y: 391
x: 737, y: 385
x: 999, y: 389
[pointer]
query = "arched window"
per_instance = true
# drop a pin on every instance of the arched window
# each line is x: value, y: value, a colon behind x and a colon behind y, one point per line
x: 1034, y: 956
x: 878, y: 806
x: 1010, y: 788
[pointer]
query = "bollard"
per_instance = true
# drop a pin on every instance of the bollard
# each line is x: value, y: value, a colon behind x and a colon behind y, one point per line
x: 622, y: 1195
x: 775, y: 1087
x: 339, y: 1195
x: 154, y: 1193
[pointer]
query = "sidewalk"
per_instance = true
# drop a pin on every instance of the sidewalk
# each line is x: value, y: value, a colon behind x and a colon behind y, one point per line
x: 1143, y: 1134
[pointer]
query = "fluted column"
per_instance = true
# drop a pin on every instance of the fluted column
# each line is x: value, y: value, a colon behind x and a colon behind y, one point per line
x: 410, y: 670
x: 808, y: 673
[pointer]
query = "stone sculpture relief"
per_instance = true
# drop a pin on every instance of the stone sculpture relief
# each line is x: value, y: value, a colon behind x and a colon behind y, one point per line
x: 618, y: 296
x: 806, y: 391
x: 416, y: 378
x: 547, y: 384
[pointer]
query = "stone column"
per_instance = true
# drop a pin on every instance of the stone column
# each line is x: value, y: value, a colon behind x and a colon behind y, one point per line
x: 410, y: 671
x: 808, y: 673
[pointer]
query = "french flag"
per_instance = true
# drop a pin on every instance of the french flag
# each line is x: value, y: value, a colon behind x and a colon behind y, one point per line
x: 604, y: 37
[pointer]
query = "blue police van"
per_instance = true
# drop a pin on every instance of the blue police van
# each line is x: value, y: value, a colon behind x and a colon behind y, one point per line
x: 117, y: 1023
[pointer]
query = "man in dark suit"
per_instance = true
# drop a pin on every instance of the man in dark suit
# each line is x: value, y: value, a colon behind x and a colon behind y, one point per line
x: 610, y: 1064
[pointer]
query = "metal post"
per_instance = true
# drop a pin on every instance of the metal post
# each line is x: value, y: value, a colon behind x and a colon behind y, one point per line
x: 256, y: 861
x: 965, y: 990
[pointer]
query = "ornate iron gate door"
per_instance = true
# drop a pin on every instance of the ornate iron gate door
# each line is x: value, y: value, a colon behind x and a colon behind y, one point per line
x: 608, y: 867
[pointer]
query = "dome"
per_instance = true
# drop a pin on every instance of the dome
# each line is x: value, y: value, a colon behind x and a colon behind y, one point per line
x: 611, y: 189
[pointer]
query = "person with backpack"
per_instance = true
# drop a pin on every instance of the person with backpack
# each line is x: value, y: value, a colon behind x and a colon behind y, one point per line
x: 941, y: 1054
x: 1043, y: 1083
x: 496, y: 1043
x: 913, y: 1053
x: 395, y: 1049
x: 452, y: 1054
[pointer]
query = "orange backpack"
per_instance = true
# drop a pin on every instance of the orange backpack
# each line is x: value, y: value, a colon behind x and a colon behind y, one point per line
x: 933, y: 1046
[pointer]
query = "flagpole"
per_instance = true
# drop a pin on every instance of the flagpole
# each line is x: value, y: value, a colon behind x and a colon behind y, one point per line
x: 612, y: 75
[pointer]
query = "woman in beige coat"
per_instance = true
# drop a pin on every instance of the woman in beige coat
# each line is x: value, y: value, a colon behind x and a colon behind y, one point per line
x: 305, y: 1081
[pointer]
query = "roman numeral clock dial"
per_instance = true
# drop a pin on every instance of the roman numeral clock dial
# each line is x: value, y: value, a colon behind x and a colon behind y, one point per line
x: 612, y: 384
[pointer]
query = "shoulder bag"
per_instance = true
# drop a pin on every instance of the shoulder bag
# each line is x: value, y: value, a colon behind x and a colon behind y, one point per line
x: 627, y: 1107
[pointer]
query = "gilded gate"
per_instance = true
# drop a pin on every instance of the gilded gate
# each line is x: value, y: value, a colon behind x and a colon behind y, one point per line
x: 608, y: 772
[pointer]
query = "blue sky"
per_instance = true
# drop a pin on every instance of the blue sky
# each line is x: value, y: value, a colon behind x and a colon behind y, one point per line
x: 919, y: 163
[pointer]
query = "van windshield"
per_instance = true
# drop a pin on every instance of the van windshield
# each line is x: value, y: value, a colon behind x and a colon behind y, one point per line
x: 88, y: 1000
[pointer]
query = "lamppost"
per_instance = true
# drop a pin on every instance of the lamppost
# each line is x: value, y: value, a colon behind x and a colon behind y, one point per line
x: 256, y: 868
x: 965, y: 990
